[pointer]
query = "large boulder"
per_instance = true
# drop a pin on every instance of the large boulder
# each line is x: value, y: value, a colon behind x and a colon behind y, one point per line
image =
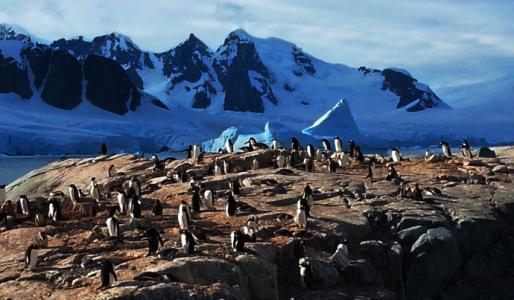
x: 433, y: 261
x: 262, y: 277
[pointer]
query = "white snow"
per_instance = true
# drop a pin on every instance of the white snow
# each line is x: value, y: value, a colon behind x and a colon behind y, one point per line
x: 338, y: 121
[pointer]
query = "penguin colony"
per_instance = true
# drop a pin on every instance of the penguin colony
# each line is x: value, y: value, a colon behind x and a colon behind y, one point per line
x: 129, y: 202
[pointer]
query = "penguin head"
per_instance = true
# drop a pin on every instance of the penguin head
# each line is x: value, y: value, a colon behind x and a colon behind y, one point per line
x: 303, y: 262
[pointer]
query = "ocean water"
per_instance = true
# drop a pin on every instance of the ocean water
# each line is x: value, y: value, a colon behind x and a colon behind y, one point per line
x: 12, y: 167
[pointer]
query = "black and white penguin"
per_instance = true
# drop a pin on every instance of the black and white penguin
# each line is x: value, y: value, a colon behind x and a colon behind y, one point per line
x: 465, y: 149
x: 135, y: 208
x: 231, y: 206
x: 157, y: 208
x: 331, y: 165
x: 187, y: 241
x: 395, y: 155
x: 107, y: 274
x: 31, y: 256
x: 226, y: 167
x: 94, y: 191
x: 237, y: 241
x: 122, y: 202
x: 338, y: 144
x: 370, y: 170
x: 24, y: 205
x: 74, y: 194
x: 189, y: 152
x: 326, y: 145
x: 281, y: 160
x: 359, y: 156
x: 217, y: 169
x: 134, y: 187
x: 197, y: 150
x: 235, y: 187
x: 112, y: 171
x: 157, y: 164
x: 183, y: 216
x: 391, y: 173
x: 208, y: 199
x: 351, y: 148
x: 154, y: 239
x: 306, y: 275
x: 255, y: 145
x: 295, y: 144
x: 229, y: 146
x: 195, y: 200
x: 417, y: 193
x: 255, y: 164
x: 301, y: 213
x: 251, y: 227
x: 42, y: 240
x: 54, y: 210
x: 309, y: 164
x: 113, y: 226
x: 275, y: 144
x: 307, y: 195
x: 310, y: 151
x: 446, y: 149
x: 103, y: 149
x: 340, y: 257
x: 39, y: 219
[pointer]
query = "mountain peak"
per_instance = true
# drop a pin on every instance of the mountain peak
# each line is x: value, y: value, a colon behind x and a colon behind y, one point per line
x: 120, y: 39
x: 240, y: 34
x: 15, y: 32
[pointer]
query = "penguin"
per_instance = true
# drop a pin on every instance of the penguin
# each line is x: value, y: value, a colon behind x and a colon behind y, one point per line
x: 342, y: 161
x: 189, y: 152
x: 309, y: 164
x: 31, y: 256
x: 39, y: 219
x: 103, y: 149
x: 157, y: 208
x: 229, y: 146
x: 209, y: 200
x: 254, y: 145
x: 310, y: 151
x: 187, y: 241
x: 465, y: 149
x: 135, y: 208
x: 112, y: 171
x: 370, y: 171
x: 446, y: 149
x: 251, y: 227
x: 95, y: 209
x: 217, y: 170
x: 154, y: 239
x: 54, y: 210
x: 395, y: 154
x: 42, y: 240
x: 326, y: 145
x: 340, y: 257
x: 359, y: 156
x: 183, y: 216
x: 318, y: 155
x: 107, y: 274
x: 281, y: 160
x: 74, y: 194
x: 338, y: 144
x: 134, y: 187
x: 295, y: 144
x: 24, y: 204
x: 237, y: 241
x: 226, y: 167
x: 307, y: 195
x: 93, y: 189
x: 301, y: 218
x: 235, y: 187
x: 275, y: 144
x: 306, y: 275
x: 391, y: 173
x: 196, y: 201
x: 231, y: 206
x: 157, y: 164
x: 197, y: 150
x: 113, y: 226
x: 122, y: 202
x: 331, y: 165
x: 255, y: 164
x: 417, y: 194
x: 351, y: 148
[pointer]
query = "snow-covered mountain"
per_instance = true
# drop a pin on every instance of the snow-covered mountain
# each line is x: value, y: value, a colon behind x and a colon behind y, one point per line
x: 245, y: 83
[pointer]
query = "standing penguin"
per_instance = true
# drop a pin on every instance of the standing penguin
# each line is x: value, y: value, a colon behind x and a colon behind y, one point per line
x: 231, y: 206
x: 351, y: 148
x: 301, y: 217
x: 310, y: 151
x: 338, y: 144
x: 446, y: 149
x: 281, y: 160
x: 157, y: 208
x: 251, y: 228
x: 135, y: 208
x: 306, y: 275
x: 39, y: 219
x: 326, y: 145
x: 217, y: 169
x: 229, y: 146
x: 295, y: 144
x: 209, y: 200
x: 134, y: 187
x: 54, y: 210
x: 196, y: 201
x: 465, y: 149
x: 226, y: 167
x: 94, y: 190
x: 395, y: 154
x: 183, y: 216
x: 24, y: 204
x: 307, y: 195
x: 31, y: 256
x: 197, y: 150
x: 187, y: 241
x: 342, y: 161
x: 107, y: 274
x: 275, y: 144
x: 331, y: 165
x: 154, y: 239
x: 255, y: 164
x: 359, y: 156
x: 237, y: 241
x: 103, y: 149
x: 122, y: 202
x: 74, y: 194
x: 113, y: 226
